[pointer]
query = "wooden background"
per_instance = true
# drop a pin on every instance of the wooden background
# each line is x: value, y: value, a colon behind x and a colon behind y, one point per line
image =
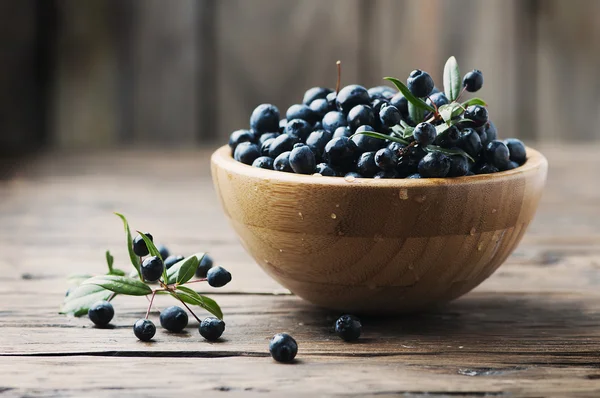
x: 103, y: 73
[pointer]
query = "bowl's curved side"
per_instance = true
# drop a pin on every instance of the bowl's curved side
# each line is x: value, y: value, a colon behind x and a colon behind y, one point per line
x: 366, y: 246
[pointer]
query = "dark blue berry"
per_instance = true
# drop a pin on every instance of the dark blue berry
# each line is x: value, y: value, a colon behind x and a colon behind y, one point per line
x: 348, y: 327
x: 205, y: 265
x: 473, y: 81
x: 317, y: 140
x: 485, y: 168
x: 366, y: 164
x: 413, y: 176
x: 353, y: 174
x: 334, y: 119
x: 246, y: 152
x: 303, y: 112
x: 425, y: 133
x: 218, y: 277
x: 282, y: 162
x: 139, y: 246
x: 340, y: 152
x: 320, y: 107
x: 298, y: 145
x: 434, y: 165
x: 282, y: 124
x: 152, y: 268
x: 211, y: 328
x: 448, y: 138
x: 385, y: 174
x: 395, y: 147
x: 266, y: 136
x: 477, y: 114
x: 265, y: 118
x: 172, y: 260
x: 378, y: 103
x: 302, y: 160
x: 360, y: 115
x: 512, y: 165
x: 281, y: 144
x: 315, y: 93
x: 459, y: 166
x: 325, y: 170
x: 174, y: 319
x: 144, y: 329
x: 263, y: 162
x: 331, y: 100
x: 470, y: 142
x: 342, y: 132
x: 389, y: 116
x: 497, y: 154
x: 364, y: 143
x: 239, y: 136
x: 419, y: 83
x: 483, y: 136
x: 385, y: 92
x: 317, y: 126
x: 283, y: 347
x: 298, y: 128
x: 164, y: 252
x: 350, y: 96
x: 265, y: 148
x: 401, y: 103
x: 517, y: 150
x: 386, y: 159
x: 101, y: 313
x: 490, y: 131
x: 438, y: 99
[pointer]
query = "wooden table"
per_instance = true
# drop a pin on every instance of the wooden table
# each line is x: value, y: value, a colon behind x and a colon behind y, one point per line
x: 532, y: 329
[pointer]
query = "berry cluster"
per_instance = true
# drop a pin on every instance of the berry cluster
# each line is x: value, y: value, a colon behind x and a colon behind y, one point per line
x: 416, y: 132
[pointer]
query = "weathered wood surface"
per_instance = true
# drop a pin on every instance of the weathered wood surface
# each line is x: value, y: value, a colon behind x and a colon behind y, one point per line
x: 532, y: 329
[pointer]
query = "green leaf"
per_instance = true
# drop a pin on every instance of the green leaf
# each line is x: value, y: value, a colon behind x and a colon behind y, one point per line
x: 397, y: 129
x: 132, y: 256
x: 118, y: 272
x: 474, y: 101
x: 79, y: 301
x: 439, y: 129
x: 449, y: 111
x: 404, y: 124
x: 76, y: 279
x: 189, y: 296
x: 154, y: 252
x: 184, y: 270
x: 381, y: 137
x: 433, y: 148
x: 120, y: 284
x: 452, y: 80
x: 109, y: 261
x: 416, y: 114
x: 419, y: 103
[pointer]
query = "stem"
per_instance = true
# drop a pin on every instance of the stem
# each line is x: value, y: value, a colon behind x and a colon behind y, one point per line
x: 404, y: 150
x: 195, y: 281
x: 434, y: 106
x: 461, y: 93
x: 151, y: 301
x: 188, y: 308
x: 339, y: 77
x: 112, y: 296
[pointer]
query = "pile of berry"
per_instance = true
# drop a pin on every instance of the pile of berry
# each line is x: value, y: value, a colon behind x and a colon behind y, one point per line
x: 416, y: 132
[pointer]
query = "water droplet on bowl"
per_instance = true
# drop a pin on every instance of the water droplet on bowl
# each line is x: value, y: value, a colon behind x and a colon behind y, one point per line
x: 420, y: 198
x: 480, y: 246
x: 280, y: 250
x: 350, y: 178
x: 300, y: 214
x: 337, y: 205
x: 472, y: 231
x: 255, y: 188
x: 403, y: 194
x: 333, y: 216
x: 494, y: 210
x: 411, y: 266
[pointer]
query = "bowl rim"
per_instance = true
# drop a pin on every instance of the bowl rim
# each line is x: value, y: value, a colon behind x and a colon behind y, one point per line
x: 222, y: 158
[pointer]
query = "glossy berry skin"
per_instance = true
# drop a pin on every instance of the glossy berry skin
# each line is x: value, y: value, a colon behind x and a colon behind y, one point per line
x: 314, y: 93
x: 478, y: 114
x: 101, y: 313
x: 174, y: 319
x: 470, y: 142
x: 438, y: 99
x: 144, y: 329
x: 218, y: 277
x: 172, y: 260
x: 265, y: 118
x: 389, y: 116
x: 459, y: 166
x: 413, y: 176
x: 302, y: 160
x: 360, y: 115
x: 364, y: 143
x: 419, y: 83
x: 283, y: 348
x: 325, y: 170
x: 263, y: 162
x: 473, y: 81
x: 282, y: 163
x: 348, y: 327
x: 409, y: 161
x: 490, y: 131
x: 483, y: 136
x: 350, y: 96
x: 353, y: 174
x: 282, y: 124
x: 366, y: 165
x: 320, y: 107
x: 485, y: 168
x: 340, y: 152
x: 298, y: 128
x: 497, y: 154
x: 401, y: 103
x: 239, y: 136
x: 517, y: 150
x: 342, y: 132
x: 205, y: 265
x: 317, y: 140
x: 448, y: 138
x: 434, y: 165
x: 303, y: 112
x: 246, y: 152
x: 281, y: 144
x: 266, y: 146
x: 385, y: 92
x: 211, y: 328
x: 164, y: 252
x: 152, y: 268
x: 266, y: 136
x: 425, y: 133
x: 387, y: 174
x: 386, y: 159
x: 379, y: 103
x: 395, y: 147
x: 139, y: 246
x: 332, y: 120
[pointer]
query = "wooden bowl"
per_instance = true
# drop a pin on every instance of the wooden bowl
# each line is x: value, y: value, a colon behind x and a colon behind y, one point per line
x: 373, y: 245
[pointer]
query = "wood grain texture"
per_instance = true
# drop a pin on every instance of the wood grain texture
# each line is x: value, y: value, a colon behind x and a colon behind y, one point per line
x: 530, y: 330
x: 378, y: 246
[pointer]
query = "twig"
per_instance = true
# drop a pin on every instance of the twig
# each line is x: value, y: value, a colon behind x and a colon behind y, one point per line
x: 339, y: 77
x: 188, y: 308
x: 151, y: 301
